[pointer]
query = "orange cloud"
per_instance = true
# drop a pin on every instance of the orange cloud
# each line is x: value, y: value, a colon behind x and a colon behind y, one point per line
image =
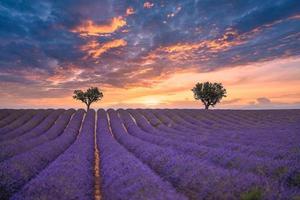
x: 89, y: 28
x: 148, y: 5
x: 129, y: 11
x: 219, y: 44
x: 95, y: 49
x: 274, y: 23
x: 187, y: 51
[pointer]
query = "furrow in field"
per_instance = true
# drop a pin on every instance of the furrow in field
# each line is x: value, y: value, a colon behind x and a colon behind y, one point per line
x: 5, y: 112
x: 37, y: 130
x: 18, y: 170
x: 11, y: 149
x: 190, y: 176
x: 123, y: 176
x: 17, y: 123
x: 70, y: 176
x: 235, y: 135
x: 33, y: 122
x: 11, y: 118
x: 97, y: 177
x: 224, y: 139
x: 220, y: 157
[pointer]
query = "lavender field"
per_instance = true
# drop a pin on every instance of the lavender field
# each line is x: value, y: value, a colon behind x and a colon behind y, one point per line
x: 149, y: 154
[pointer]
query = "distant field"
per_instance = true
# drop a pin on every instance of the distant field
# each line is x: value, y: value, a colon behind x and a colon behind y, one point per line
x: 149, y: 154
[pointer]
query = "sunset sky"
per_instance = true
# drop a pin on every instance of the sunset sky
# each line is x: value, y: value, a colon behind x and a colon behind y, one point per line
x: 149, y: 53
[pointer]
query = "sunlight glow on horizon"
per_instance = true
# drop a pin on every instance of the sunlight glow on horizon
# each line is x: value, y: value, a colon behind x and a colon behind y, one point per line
x: 275, y: 80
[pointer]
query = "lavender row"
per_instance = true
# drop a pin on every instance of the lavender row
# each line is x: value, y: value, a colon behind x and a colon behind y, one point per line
x: 165, y: 124
x: 208, y: 140
x: 268, y: 118
x: 18, y: 170
x: 239, y: 140
x: 11, y: 117
x: 203, y: 138
x: 18, y: 122
x: 263, y: 134
x: 161, y: 125
x: 189, y: 136
x: 207, y: 126
x: 227, y: 157
x: 272, y: 172
x: 211, y: 140
x: 123, y: 176
x: 173, y: 124
x: 5, y: 112
x: 281, y: 166
x: 33, y: 122
x: 70, y: 176
x: 36, y: 131
x: 275, y: 120
x: 195, y: 178
x: 280, y: 171
x: 215, y: 120
x: 15, y: 147
x: 229, y: 119
x: 257, y: 137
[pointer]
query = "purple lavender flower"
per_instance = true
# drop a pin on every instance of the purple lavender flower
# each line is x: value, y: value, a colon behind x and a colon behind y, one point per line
x: 18, y: 122
x: 18, y: 170
x: 11, y: 117
x: 150, y: 154
x: 70, y: 176
x: 123, y: 176
x: 33, y: 122
x: 14, y: 147
x: 5, y: 112
x: 193, y: 177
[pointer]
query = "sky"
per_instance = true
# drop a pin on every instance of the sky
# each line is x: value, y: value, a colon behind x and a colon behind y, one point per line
x: 149, y: 54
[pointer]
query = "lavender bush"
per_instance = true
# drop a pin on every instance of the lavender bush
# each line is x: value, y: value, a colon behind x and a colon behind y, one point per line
x: 11, y: 117
x: 13, y: 148
x: 70, y: 176
x: 123, y: 176
x: 37, y: 130
x: 190, y: 176
x: 234, y: 139
x: 18, y: 122
x: 33, y: 122
x: 150, y: 154
x: 218, y: 156
x: 5, y: 112
x: 18, y: 170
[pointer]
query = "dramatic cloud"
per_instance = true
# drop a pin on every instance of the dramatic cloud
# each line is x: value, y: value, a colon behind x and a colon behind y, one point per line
x: 95, y: 49
x: 89, y: 28
x: 64, y: 45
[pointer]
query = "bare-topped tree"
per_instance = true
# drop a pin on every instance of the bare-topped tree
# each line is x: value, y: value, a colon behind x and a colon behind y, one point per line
x: 209, y: 93
x: 88, y: 97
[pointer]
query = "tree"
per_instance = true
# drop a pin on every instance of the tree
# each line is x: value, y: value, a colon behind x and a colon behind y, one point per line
x: 209, y: 93
x: 91, y: 95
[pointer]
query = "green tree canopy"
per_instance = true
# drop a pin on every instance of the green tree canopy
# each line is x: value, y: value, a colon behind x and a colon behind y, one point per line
x: 88, y: 97
x: 209, y: 93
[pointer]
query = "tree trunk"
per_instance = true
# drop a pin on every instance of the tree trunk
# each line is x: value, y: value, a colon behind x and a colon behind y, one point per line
x: 88, y: 107
x: 206, y: 106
